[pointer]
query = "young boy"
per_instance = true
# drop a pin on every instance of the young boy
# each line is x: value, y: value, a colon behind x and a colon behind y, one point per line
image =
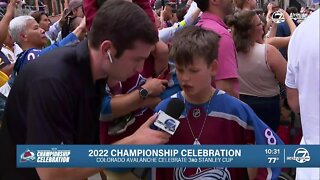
x: 211, y: 116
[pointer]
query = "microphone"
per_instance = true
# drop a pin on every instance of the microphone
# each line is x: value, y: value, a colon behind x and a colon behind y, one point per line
x: 168, y: 121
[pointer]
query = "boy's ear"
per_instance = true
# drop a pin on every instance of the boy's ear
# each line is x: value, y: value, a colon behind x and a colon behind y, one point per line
x: 214, y: 67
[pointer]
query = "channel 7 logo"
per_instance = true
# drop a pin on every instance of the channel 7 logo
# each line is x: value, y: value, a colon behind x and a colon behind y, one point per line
x: 301, y: 155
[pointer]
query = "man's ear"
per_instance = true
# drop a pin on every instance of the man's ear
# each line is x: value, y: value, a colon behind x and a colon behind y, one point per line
x: 105, y: 46
x: 213, y: 67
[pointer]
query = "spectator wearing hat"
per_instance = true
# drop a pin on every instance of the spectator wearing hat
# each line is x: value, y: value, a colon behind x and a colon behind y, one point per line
x: 76, y: 8
x: 74, y: 12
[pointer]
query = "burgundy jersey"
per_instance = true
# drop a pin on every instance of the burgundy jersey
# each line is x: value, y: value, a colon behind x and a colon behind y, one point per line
x: 223, y: 120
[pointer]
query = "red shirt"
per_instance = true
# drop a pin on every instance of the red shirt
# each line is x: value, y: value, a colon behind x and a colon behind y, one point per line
x: 91, y: 7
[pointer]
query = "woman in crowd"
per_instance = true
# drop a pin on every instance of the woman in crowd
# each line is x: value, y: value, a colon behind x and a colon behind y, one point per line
x: 261, y: 68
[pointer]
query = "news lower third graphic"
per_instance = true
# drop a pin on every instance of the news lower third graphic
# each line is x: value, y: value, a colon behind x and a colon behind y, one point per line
x: 125, y: 156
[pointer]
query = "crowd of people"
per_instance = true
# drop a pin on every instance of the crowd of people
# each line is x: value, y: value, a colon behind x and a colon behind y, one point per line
x: 100, y: 74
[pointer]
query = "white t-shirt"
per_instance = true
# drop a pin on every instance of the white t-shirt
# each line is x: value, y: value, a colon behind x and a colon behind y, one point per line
x: 303, y: 75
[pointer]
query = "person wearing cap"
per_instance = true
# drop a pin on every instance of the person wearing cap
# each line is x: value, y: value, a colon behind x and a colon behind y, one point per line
x: 75, y: 11
x: 75, y: 7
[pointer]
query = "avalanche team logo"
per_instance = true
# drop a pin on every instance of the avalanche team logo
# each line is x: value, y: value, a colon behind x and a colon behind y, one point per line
x: 27, y: 156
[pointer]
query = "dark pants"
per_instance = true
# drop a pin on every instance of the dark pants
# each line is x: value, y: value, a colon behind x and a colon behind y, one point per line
x: 267, y: 108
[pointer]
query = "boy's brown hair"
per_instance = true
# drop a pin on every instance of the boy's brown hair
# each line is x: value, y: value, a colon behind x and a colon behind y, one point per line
x: 194, y: 42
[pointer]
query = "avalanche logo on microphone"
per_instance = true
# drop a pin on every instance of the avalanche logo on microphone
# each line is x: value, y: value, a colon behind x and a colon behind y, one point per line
x: 166, y: 123
x: 27, y: 155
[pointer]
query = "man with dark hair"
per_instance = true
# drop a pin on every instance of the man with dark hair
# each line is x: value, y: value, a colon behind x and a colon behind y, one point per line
x: 127, y: 38
x: 212, y: 19
x: 56, y: 98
